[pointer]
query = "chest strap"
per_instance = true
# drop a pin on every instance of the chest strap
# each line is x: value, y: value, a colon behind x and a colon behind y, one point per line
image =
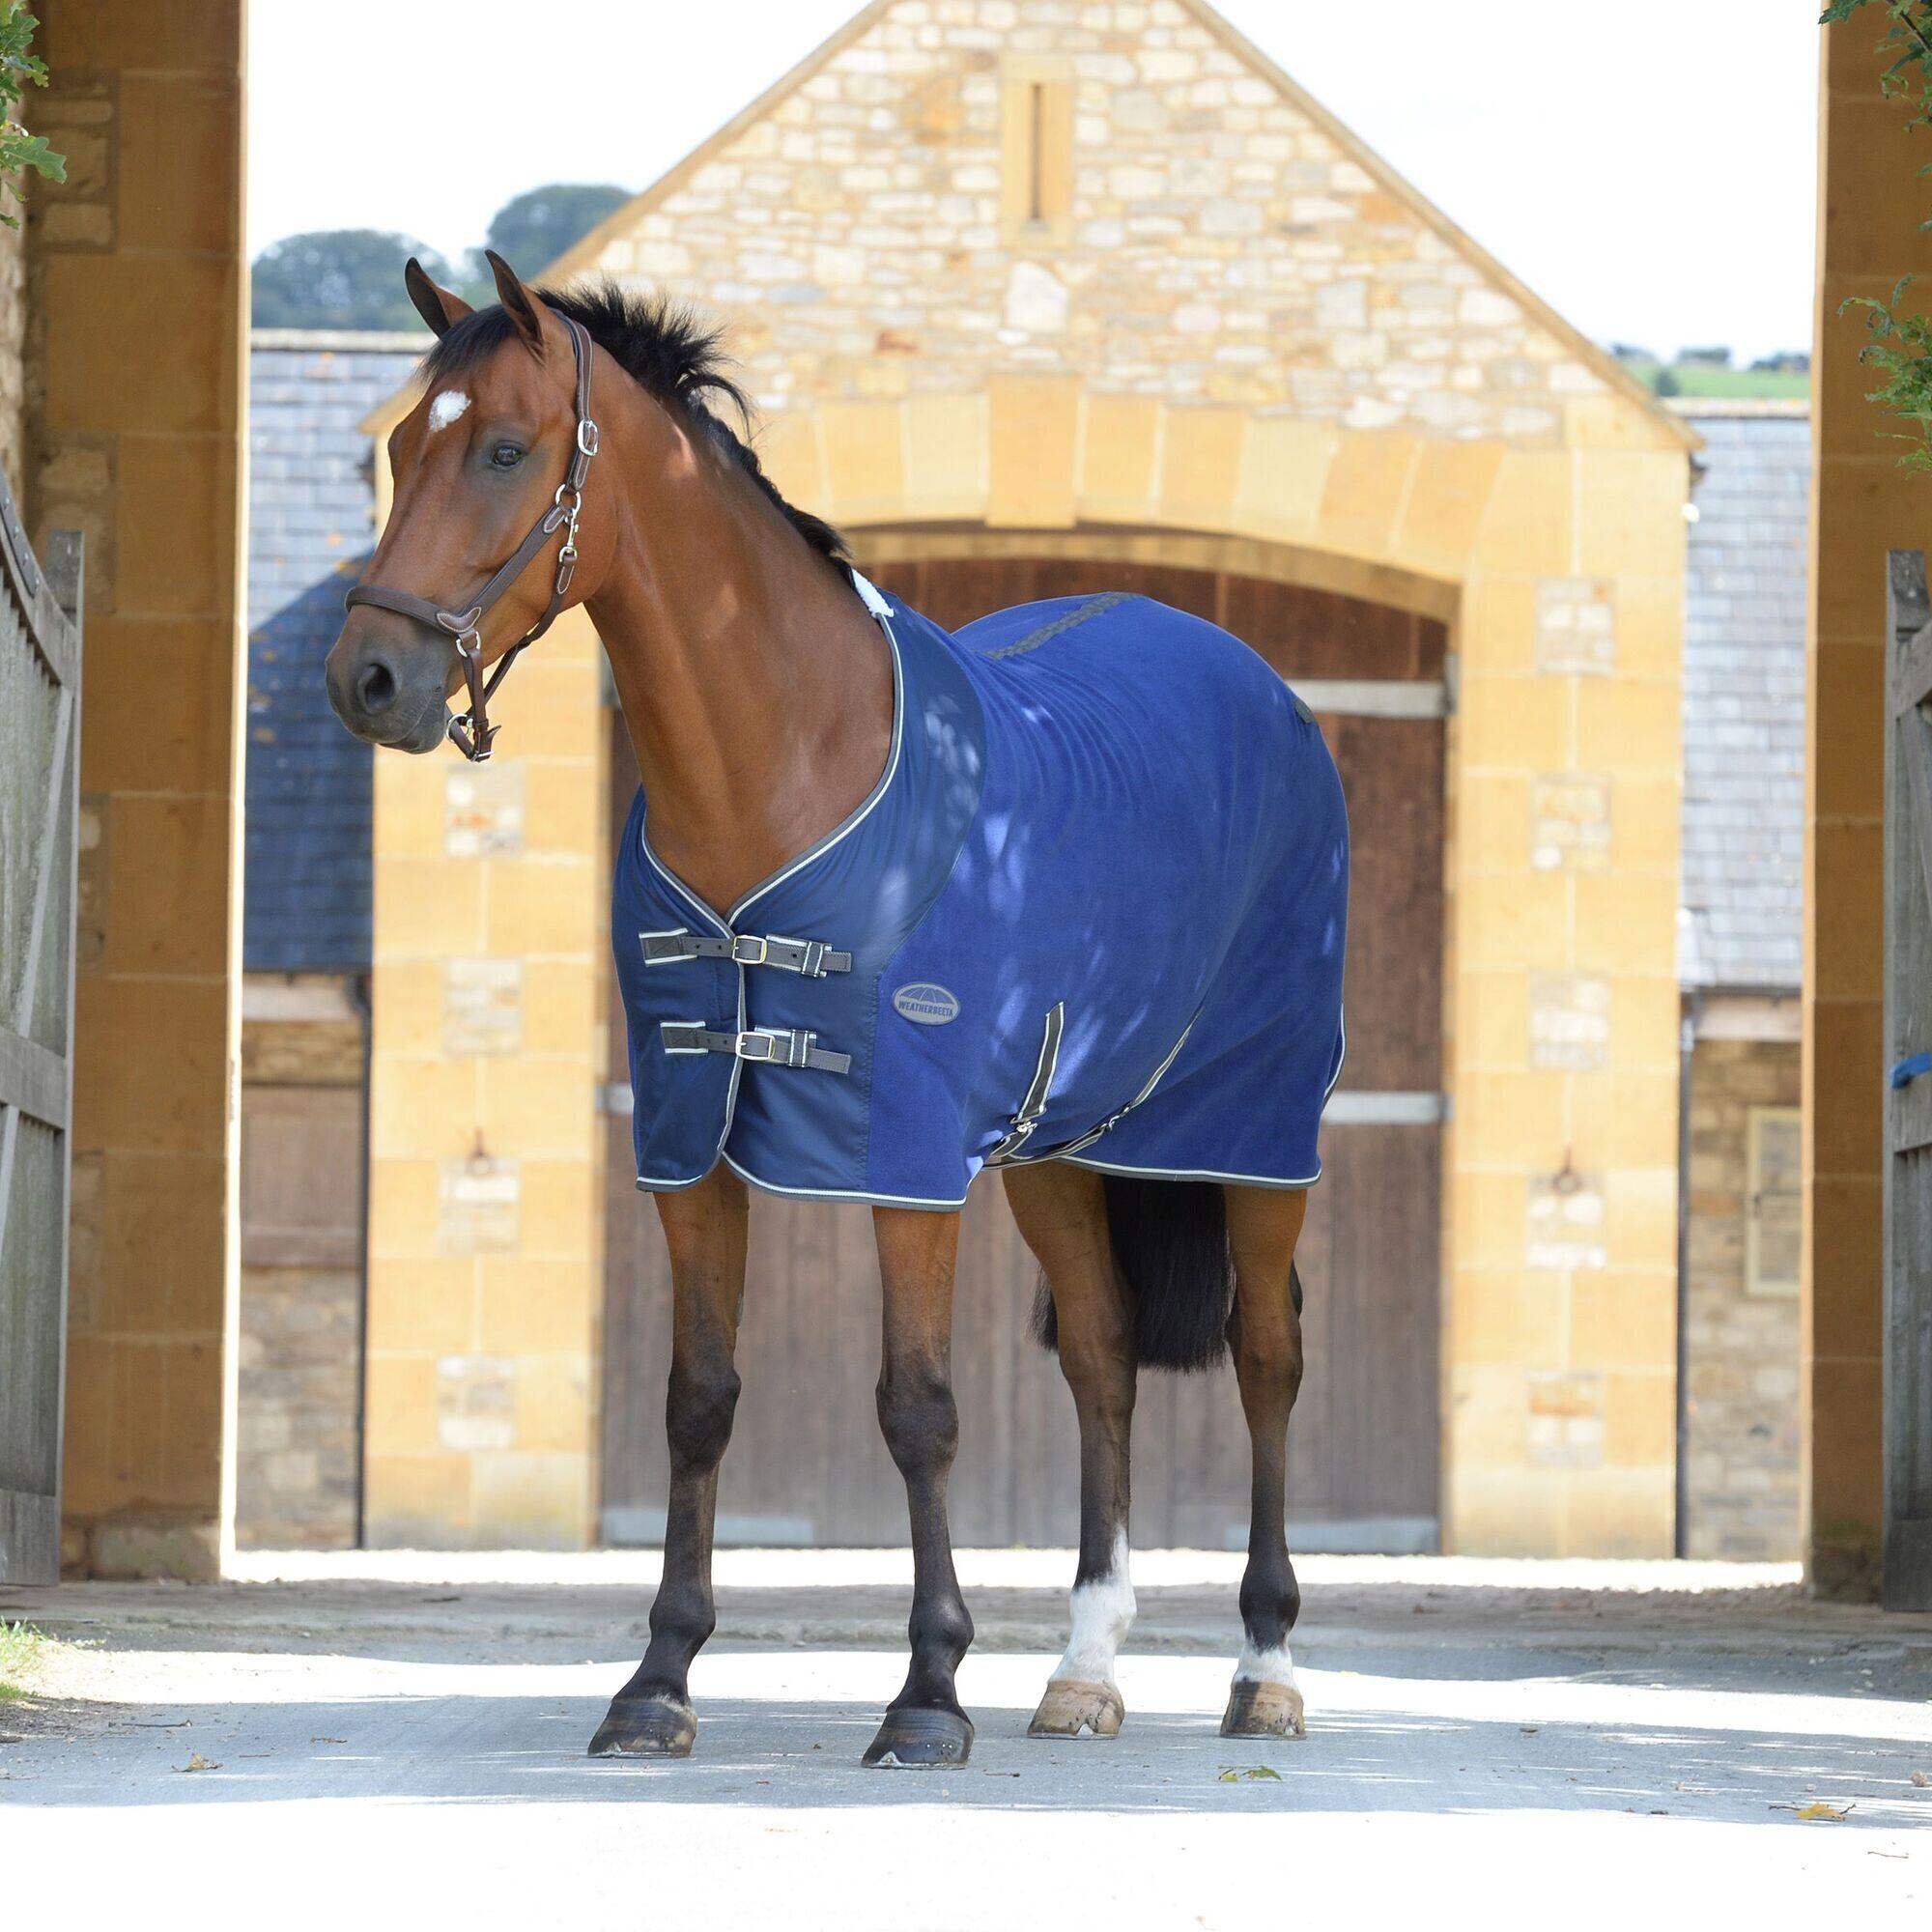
x: 812, y: 957
x: 777, y: 1046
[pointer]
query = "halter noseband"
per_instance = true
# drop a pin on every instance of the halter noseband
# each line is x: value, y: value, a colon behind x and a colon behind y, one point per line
x: 472, y: 731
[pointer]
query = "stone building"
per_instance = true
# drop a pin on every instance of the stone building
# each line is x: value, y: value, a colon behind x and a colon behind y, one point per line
x: 1555, y: 562
x: 305, y: 941
x: 1740, y: 953
x: 1030, y: 295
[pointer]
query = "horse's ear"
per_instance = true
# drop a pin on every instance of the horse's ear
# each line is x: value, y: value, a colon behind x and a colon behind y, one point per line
x: 519, y: 305
x: 437, y: 306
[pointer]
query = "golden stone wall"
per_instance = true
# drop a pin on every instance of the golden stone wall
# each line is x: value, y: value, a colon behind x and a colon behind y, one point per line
x: 138, y: 313
x: 486, y: 1204
x: 1209, y: 319
x: 1863, y: 504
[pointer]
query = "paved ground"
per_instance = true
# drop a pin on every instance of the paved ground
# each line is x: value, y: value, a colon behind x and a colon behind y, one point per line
x: 393, y: 1736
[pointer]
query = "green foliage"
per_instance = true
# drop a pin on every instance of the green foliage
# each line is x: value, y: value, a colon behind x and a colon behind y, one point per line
x: 338, y: 278
x: 20, y: 1646
x: 534, y: 228
x: 352, y: 278
x: 19, y: 65
x: 1900, y: 344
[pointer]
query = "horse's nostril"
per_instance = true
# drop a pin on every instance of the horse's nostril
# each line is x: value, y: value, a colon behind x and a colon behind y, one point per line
x: 376, y: 687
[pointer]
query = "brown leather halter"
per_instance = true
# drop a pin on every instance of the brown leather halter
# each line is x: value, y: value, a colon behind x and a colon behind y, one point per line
x: 472, y: 731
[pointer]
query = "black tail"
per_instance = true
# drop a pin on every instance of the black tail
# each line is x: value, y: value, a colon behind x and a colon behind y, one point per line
x: 1169, y: 1240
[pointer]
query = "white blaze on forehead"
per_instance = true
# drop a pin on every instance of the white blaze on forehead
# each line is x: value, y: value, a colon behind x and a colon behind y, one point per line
x: 447, y: 408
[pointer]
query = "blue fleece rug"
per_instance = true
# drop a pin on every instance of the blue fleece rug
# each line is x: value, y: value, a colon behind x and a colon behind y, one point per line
x: 1094, y: 911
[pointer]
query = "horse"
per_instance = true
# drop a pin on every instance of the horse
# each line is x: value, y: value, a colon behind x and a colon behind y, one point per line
x: 1063, y: 895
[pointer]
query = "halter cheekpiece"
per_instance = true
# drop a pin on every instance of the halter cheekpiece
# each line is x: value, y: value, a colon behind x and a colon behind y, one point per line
x: 471, y: 730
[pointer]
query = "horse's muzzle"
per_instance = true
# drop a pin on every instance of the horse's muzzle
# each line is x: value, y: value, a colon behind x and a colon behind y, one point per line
x: 390, y: 691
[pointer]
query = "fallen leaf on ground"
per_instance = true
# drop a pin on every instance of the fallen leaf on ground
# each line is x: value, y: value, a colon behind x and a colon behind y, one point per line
x: 1919, y: 1778
x: 1253, y: 1770
x: 196, y: 1762
x: 1821, y: 1813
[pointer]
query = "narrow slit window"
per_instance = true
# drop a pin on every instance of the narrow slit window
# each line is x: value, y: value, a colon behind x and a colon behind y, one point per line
x: 1037, y: 133
x: 1037, y: 186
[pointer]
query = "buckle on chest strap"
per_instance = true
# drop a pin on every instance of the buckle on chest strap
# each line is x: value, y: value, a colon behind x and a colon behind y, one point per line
x: 773, y: 1047
x: 809, y: 959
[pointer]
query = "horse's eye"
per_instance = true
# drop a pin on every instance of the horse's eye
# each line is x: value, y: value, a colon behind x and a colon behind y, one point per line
x: 507, y: 456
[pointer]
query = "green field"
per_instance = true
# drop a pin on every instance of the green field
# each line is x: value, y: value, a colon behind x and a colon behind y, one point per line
x: 1697, y: 379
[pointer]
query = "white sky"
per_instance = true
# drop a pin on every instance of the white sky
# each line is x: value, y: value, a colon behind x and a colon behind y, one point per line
x: 1649, y: 168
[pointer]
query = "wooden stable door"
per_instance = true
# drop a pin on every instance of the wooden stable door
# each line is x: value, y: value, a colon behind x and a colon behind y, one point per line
x: 807, y: 1465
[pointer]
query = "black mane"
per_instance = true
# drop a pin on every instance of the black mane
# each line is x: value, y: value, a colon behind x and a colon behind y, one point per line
x: 677, y: 356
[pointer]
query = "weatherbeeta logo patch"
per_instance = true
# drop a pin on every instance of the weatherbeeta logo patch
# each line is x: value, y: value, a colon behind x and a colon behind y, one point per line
x: 926, y: 1004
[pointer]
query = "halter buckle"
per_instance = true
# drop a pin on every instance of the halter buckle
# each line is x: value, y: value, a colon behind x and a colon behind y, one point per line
x: 474, y: 745
x: 586, y: 437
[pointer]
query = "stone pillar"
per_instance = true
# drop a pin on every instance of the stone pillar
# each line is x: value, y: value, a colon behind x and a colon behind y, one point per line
x: 1872, y: 199
x: 139, y: 309
x: 1559, y: 1335
x: 486, y: 1177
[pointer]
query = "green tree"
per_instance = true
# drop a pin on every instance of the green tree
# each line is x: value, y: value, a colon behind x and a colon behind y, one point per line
x: 532, y: 230
x: 340, y: 279
x: 19, y: 65
x: 1901, y: 340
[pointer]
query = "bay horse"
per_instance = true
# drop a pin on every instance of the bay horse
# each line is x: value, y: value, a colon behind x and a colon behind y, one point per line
x: 1063, y: 895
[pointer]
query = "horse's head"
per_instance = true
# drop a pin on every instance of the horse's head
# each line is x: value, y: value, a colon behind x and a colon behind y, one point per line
x: 477, y: 466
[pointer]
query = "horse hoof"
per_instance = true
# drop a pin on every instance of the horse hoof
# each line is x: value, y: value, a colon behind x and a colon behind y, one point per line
x: 645, y: 1728
x: 918, y: 1737
x: 1264, y: 1711
x: 1075, y: 1708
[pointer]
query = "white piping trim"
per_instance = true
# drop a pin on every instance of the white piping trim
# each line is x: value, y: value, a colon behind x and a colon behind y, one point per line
x: 839, y: 834
x: 1185, y: 1173
x: 651, y: 1184
x: 679, y: 885
x: 838, y: 1194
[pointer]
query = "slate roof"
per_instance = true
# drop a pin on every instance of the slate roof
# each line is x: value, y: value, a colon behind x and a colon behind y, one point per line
x: 1744, y: 700
x: 312, y: 519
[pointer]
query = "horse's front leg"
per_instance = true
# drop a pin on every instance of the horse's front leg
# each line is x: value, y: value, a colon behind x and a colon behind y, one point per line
x: 705, y: 1228
x: 1061, y: 1215
x: 1264, y: 1224
x: 924, y: 1724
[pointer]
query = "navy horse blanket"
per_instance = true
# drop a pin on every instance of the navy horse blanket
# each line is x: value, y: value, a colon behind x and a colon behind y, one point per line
x: 1095, y: 910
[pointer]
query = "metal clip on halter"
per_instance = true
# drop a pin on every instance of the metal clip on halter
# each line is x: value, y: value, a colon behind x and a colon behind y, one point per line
x: 471, y: 730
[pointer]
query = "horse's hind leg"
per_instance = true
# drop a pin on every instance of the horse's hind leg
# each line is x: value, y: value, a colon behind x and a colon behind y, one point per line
x: 705, y: 1228
x: 923, y: 1726
x: 1264, y: 1224
x: 1061, y: 1212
